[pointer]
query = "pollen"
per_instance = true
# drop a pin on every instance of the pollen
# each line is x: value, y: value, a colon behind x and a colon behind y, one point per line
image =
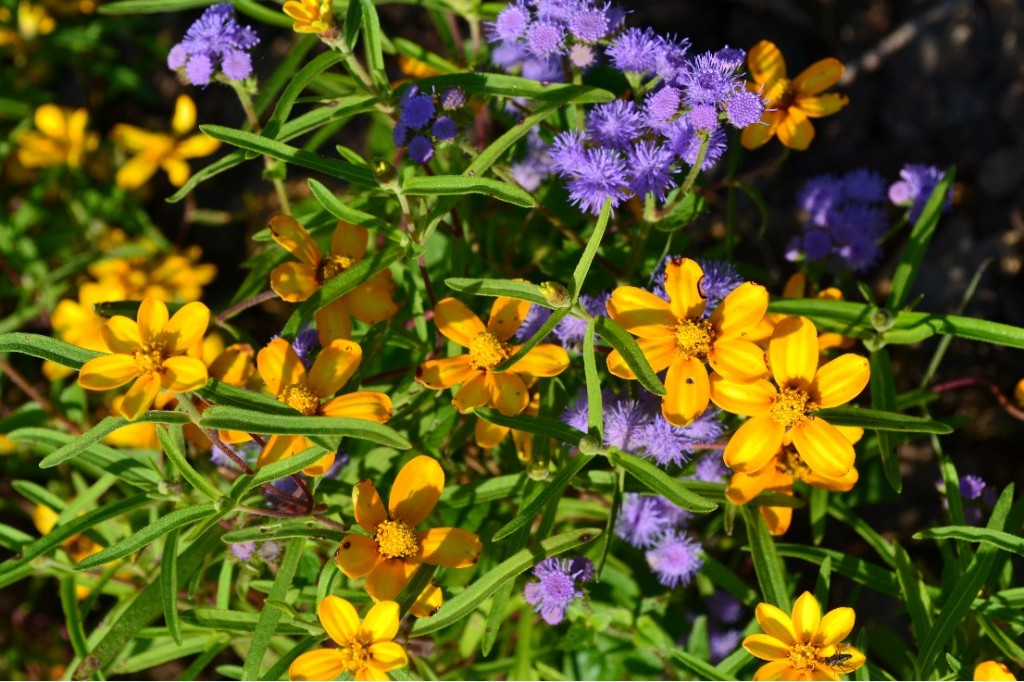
x: 803, y: 656
x: 395, y: 540
x: 694, y: 338
x: 149, y: 359
x: 789, y: 463
x: 301, y: 399
x: 355, y: 653
x: 487, y: 351
x: 791, y: 406
x: 332, y: 266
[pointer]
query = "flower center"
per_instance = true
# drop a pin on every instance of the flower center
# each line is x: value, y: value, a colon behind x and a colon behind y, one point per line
x: 791, y: 406
x: 803, y: 656
x: 789, y: 463
x: 395, y: 540
x: 694, y: 338
x: 779, y: 93
x: 486, y: 351
x: 332, y: 266
x: 354, y: 653
x: 301, y: 399
x: 150, y: 359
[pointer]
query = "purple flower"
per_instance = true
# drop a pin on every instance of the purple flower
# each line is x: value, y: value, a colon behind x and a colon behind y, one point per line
x: 534, y: 320
x: 703, y: 117
x: 510, y: 24
x: 731, y: 58
x: 214, y: 41
x: 305, y: 344
x: 636, y: 50
x: 615, y: 124
x: 685, y: 143
x: 661, y: 106
x: 243, y: 551
x: 582, y: 56
x: 744, y: 108
x: 624, y: 425
x: 915, y: 187
x: 640, y: 520
x: 417, y: 109
x: 675, y: 559
x: 710, y: 469
x: 864, y: 185
x: 420, y: 149
x: 546, y: 70
x: 544, y: 40
x: 651, y: 168
x: 725, y: 608
x: 567, y: 152
x: 589, y: 24
x: 576, y: 414
x: 556, y: 588
x: 706, y: 80
x: 972, y: 487
x: 444, y: 128
x: 723, y: 642
x: 453, y: 98
x: 602, y: 176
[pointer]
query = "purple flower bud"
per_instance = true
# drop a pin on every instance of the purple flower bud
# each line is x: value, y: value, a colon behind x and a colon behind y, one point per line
x: 453, y: 98
x: 556, y: 588
x: 444, y: 128
x: 417, y: 111
x: 420, y: 149
x: 744, y: 108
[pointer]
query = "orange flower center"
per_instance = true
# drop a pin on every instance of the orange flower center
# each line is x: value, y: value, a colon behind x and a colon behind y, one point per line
x: 779, y: 93
x: 332, y: 266
x: 791, y: 406
x: 486, y: 351
x: 301, y: 399
x: 355, y: 653
x: 803, y: 656
x: 395, y: 540
x: 789, y: 463
x: 694, y: 338
x: 150, y: 359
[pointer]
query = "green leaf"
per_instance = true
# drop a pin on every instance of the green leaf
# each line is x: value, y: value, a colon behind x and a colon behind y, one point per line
x: 235, y: 621
x: 280, y: 669
x: 169, y: 585
x: 915, y: 596
x: 149, y: 6
x: 458, y: 185
x: 996, y: 538
x: 532, y: 342
x: 73, y: 615
x: 44, y: 347
x: 542, y: 426
x: 864, y: 572
x: 292, y: 528
x: 771, y: 572
x: 299, y: 82
x: 218, y: 417
x: 270, y: 616
x: 657, y: 481
x: 483, y: 491
x: 97, y: 458
x: 272, y: 472
x: 595, y: 409
x: 622, y: 341
x: 514, y: 86
x: 464, y: 603
x: 373, y: 44
x: 289, y: 154
x: 104, y: 428
x: 552, y: 491
x: 512, y: 288
x: 153, y: 531
x: 414, y: 588
x: 177, y: 457
x: 883, y: 398
x: 881, y: 420
x: 343, y: 211
x: 701, y: 668
x: 579, y: 274
x: 226, y: 395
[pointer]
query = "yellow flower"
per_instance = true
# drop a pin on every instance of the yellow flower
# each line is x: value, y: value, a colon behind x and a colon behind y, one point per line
x: 790, y: 104
x: 175, y: 277
x: 370, y: 302
x: 394, y: 550
x: 311, y: 16
x: 415, y: 68
x: 490, y: 435
x: 77, y: 546
x: 60, y: 138
x: 778, y: 475
x: 152, y: 352
x: 32, y: 20
x: 992, y: 670
x: 674, y: 335
x: 78, y: 323
x: 806, y: 646
x: 365, y: 649
x: 160, y: 150
x: 796, y: 287
x: 803, y: 388
x: 506, y: 391
x: 7, y: 446
x: 286, y: 377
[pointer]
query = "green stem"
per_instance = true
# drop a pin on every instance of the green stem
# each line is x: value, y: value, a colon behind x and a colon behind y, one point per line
x: 691, y: 177
x: 254, y: 121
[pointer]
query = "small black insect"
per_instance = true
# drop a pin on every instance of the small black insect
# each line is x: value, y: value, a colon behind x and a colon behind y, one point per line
x: 839, y: 660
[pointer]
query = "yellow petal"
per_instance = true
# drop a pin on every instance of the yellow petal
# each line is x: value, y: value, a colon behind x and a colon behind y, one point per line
x: 446, y: 372
x: 136, y: 139
x: 184, y: 115
x: 823, y: 448
x: 840, y: 485
x: 683, y: 286
x: 429, y: 602
x: 457, y: 322
x: 766, y: 648
x: 386, y: 656
x: 507, y: 392
x: 294, y: 238
x: 822, y: 105
x: 135, y: 172
x: 841, y: 380
x: 488, y: 435
x: 197, y: 146
x: 777, y: 670
x: 753, y: 444
x: 381, y: 622
x: 349, y: 240
x: 356, y: 555
x: 388, y: 578
x: 369, y: 508
x: 279, y: 447
x: 751, y: 400
x: 806, y: 617
x: 182, y: 373
x: 368, y: 672
x: 107, y: 372
x: 472, y: 394
x: 152, y: 317
x: 756, y: 135
x: 279, y: 366
x: 294, y: 282
x: 507, y: 315
x: 449, y: 547
x: 660, y: 353
x: 185, y: 329
x: 50, y: 119
x: 641, y: 313
x: 121, y: 335
x: 989, y: 670
x: 737, y: 360
x: 334, y: 366
x: 743, y: 488
x: 140, y: 396
x: 793, y: 352
x: 775, y: 623
x: 777, y: 519
x: 369, y: 405
x: 332, y: 321
x: 234, y: 365
x: 339, y: 618
x: 741, y: 310
x: 372, y: 303
x: 686, y: 391
x: 177, y: 170
x: 765, y: 62
x: 795, y: 131
x: 834, y: 626
x: 543, y: 360
x: 416, y: 490
x: 818, y: 77
x: 319, y: 664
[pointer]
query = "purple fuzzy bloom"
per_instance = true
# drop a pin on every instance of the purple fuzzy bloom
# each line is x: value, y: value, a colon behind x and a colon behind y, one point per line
x: 452, y: 98
x: 199, y: 69
x: 400, y: 134
x: 636, y: 50
x: 236, y: 65
x: 510, y: 24
x: 703, y: 117
x: 722, y: 643
x: 508, y: 55
x: 570, y: 330
x: 710, y: 469
x: 534, y: 168
x: 420, y: 149
x: 243, y: 551
x: 640, y: 520
x: 744, y: 108
x: 615, y: 124
x: 601, y: 177
x: 576, y: 414
x: 915, y: 187
x: 675, y: 559
x: 444, y: 128
x: 972, y: 487
x: 568, y: 154
x: 544, y: 40
x: 661, y: 107
x: 534, y: 320
x: 650, y: 165
x: 177, y: 57
x: 624, y: 425
x: 589, y: 24
x: 706, y: 80
x: 215, y: 40
x: 417, y: 111
x: 556, y: 587
x: 685, y: 143
x: 305, y: 345
x: 671, y: 445
x: 864, y: 185
x: 671, y: 58
x: 818, y: 197
x: 546, y: 70
x: 730, y: 58
x: 725, y: 608
x: 582, y: 56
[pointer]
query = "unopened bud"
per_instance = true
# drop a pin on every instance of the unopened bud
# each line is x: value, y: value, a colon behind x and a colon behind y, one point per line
x: 589, y: 445
x: 882, y: 320
x: 556, y: 294
x: 385, y: 174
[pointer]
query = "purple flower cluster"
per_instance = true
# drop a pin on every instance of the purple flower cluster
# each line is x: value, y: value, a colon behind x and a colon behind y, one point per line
x: 843, y: 220
x: 531, y: 170
x: 720, y: 278
x: 214, y: 42
x: 723, y: 613
x: 638, y: 427
x: 978, y: 498
x: 536, y: 36
x: 653, y: 523
x: 426, y: 119
x: 556, y: 587
x: 243, y: 551
x: 915, y: 187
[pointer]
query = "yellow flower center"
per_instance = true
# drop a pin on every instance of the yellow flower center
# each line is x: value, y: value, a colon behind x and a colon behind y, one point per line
x: 300, y: 398
x: 150, y: 359
x: 791, y: 406
x: 332, y: 266
x: 789, y: 463
x: 487, y: 351
x: 355, y: 653
x: 694, y: 338
x: 803, y: 656
x: 779, y: 93
x: 395, y: 540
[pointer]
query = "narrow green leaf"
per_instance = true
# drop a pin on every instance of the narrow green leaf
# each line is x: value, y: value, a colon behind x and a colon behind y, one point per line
x: 595, y: 409
x: 514, y: 86
x: 464, y: 603
x: 883, y: 398
x: 996, y: 538
x: 864, y: 572
x: 44, y: 347
x: 883, y: 421
x: 280, y: 669
x: 218, y: 417
x: 622, y: 341
x: 512, y: 288
x: 292, y: 528
x: 415, y: 50
x: 553, y: 490
x: 579, y: 275
x: 484, y: 491
x: 72, y: 615
x: 771, y: 572
x: 918, y: 602
x: 13, y: 538
x: 542, y: 426
x: 97, y: 459
x: 343, y: 211
x: 701, y: 668
x: 237, y: 621
x: 299, y: 82
x: 1006, y: 644
x: 157, y: 529
x: 414, y: 588
x: 531, y: 343
x: 372, y: 41
x: 226, y: 395
x: 104, y: 428
x: 272, y: 472
x: 271, y: 615
x: 169, y: 585
x: 458, y: 185
x: 177, y: 457
x: 657, y: 481
x: 148, y: 6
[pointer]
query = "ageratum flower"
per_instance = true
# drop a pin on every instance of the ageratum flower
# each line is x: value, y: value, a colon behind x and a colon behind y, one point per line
x: 556, y: 588
x: 643, y: 519
x: 675, y: 559
x: 214, y: 42
x: 915, y: 187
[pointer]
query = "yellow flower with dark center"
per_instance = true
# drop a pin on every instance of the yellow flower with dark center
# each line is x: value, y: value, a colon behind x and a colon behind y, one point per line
x: 395, y: 549
x: 161, y: 150
x: 803, y: 388
x: 790, y: 104
x: 364, y: 648
x: 311, y: 16
x: 992, y: 670
x: 806, y: 646
x: 309, y: 394
x: 60, y: 138
x: 673, y: 334
x: 488, y: 347
x: 152, y: 352
x: 778, y: 476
